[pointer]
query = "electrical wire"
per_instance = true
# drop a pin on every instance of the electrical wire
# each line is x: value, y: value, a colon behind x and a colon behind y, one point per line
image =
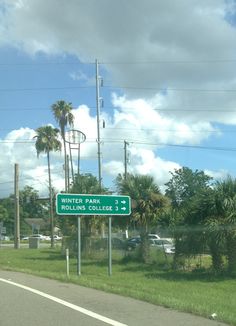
x: 175, y: 110
x: 167, y: 89
x: 44, y: 88
x: 131, y: 141
x: 163, y: 89
x: 107, y: 62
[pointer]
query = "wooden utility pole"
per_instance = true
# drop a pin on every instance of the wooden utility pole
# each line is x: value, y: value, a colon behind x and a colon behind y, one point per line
x: 17, y: 209
x: 50, y: 202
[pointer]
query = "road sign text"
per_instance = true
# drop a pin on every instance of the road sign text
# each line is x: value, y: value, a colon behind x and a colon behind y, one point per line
x: 80, y: 204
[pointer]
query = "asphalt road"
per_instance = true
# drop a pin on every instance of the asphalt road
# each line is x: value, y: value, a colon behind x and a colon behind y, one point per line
x: 26, y: 300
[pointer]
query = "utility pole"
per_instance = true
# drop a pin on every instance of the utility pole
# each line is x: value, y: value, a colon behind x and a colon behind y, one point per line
x: 17, y: 209
x: 50, y: 202
x: 125, y: 158
x: 98, y: 99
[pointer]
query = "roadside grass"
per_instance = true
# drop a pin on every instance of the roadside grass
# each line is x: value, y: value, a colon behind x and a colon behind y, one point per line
x: 199, y: 291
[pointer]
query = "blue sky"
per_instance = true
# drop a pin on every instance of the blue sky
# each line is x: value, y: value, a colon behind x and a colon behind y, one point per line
x: 169, y: 85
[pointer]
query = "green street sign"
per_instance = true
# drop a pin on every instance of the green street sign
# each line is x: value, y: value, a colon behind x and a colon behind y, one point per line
x: 80, y: 204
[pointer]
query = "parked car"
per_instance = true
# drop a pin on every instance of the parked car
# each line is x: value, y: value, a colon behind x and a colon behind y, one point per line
x: 4, y: 238
x: 56, y: 237
x: 102, y: 244
x: 38, y: 236
x: 163, y: 244
x: 153, y: 236
x: 132, y: 243
x: 25, y: 238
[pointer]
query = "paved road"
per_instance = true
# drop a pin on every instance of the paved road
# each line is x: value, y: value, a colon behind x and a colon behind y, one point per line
x: 26, y: 300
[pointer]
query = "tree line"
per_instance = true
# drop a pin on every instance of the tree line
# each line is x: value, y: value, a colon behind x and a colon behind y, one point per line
x: 198, y: 212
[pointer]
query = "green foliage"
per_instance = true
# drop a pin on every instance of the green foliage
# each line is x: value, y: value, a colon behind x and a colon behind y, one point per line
x: 3, y: 214
x: 148, y: 204
x: 225, y: 219
x: 8, y: 213
x: 47, y: 140
x: 203, y: 216
x: 190, y: 194
x: 92, y: 225
x: 63, y: 115
x: 184, y: 184
x: 30, y: 205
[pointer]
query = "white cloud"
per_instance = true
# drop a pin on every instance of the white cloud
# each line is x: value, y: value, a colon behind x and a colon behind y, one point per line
x: 171, y: 74
x: 144, y: 162
x: 176, y: 34
x: 81, y: 76
x: 143, y: 121
x: 217, y: 175
x: 19, y: 148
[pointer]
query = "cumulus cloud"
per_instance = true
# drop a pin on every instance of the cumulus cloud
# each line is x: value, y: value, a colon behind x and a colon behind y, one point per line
x: 172, y: 60
x: 173, y: 47
x: 19, y: 147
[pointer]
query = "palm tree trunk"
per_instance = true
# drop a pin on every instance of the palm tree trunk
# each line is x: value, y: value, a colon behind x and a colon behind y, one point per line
x: 216, y: 255
x: 144, y: 246
x: 231, y: 253
x: 50, y: 202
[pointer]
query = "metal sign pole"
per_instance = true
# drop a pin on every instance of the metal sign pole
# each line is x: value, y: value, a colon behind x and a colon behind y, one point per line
x: 79, y: 247
x: 109, y: 248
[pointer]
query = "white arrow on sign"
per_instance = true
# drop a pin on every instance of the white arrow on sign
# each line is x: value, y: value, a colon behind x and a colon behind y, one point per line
x: 123, y: 202
x: 123, y: 208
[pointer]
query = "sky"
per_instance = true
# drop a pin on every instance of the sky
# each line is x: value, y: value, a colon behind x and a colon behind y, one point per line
x: 169, y: 86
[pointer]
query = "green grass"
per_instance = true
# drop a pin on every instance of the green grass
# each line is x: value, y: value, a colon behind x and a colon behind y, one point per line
x: 197, y: 292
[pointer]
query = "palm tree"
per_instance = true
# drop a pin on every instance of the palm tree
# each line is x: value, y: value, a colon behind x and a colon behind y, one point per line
x: 64, y: 117
x: 84, y: 184
x: 46, y: 142
x: 148, y: 203
x: 226, y: 195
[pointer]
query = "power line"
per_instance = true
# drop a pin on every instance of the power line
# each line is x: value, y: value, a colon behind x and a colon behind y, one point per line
x: 163, y: 89
x: 106, y: 62
x: 103, y: 140
x: 3, y: 183
x: 35, y: 108
x: 170, y: 145
x: 166, y: 89
x: 171, y: 130
x: 231, y: 149
x: 176, y: 110
x: 212, y: 61
x: 44, y: 88
x: 16, y: 142
x: 56, y: 63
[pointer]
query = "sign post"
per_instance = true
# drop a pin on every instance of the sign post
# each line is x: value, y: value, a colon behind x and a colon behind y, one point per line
x: 81, y: 204
x: 79, y: 247
x: 109, y: 248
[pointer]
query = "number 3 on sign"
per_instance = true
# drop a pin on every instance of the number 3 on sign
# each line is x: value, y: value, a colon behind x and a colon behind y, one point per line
x: 116, y: 208
x: 116, y: 201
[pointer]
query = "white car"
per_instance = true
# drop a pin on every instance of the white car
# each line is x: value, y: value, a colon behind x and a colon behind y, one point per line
x: 38, y: 236
x: 153, y: 236
x: 163, y: 244
x: 57, y: 238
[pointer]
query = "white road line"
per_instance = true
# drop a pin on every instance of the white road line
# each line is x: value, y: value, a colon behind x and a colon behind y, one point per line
x: 67, y: 304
